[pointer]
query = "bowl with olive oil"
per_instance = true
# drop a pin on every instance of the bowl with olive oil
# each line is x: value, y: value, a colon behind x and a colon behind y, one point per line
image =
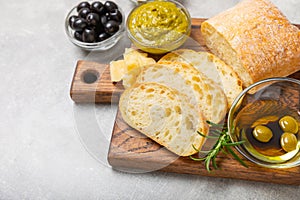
x: 266, y: 117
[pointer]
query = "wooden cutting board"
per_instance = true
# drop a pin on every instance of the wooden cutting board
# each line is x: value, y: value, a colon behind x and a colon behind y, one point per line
x: 133, y: 152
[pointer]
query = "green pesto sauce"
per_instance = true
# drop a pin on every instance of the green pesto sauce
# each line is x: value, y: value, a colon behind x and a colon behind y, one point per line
x: 158, y: 23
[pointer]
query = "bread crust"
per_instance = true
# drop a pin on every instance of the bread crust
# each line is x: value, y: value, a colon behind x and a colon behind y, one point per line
x: 262, y: 40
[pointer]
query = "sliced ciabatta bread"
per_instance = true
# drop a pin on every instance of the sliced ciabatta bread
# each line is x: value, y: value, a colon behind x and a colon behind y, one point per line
x: 165, y: 116
x: 212, y: 67
x: 256, y: 39
x: 183, y: 77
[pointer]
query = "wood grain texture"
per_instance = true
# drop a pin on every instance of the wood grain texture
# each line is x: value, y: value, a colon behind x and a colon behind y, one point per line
x: 102, y: 90
x: 132, y: 151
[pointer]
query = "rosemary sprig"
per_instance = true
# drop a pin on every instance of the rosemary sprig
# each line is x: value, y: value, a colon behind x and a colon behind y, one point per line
x: 223, y: 144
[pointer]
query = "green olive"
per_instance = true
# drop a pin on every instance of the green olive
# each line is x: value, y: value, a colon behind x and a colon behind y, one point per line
x: 288, y: 141
x: 262, y: 133
x: 289, y: 124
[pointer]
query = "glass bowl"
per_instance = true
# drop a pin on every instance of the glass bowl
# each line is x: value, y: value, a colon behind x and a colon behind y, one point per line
x: 154, y: 31
x: 264, y: 103
x: 99, y: 46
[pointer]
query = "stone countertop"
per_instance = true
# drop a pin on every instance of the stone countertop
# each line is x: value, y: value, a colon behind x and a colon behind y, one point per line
x: 48, y: 144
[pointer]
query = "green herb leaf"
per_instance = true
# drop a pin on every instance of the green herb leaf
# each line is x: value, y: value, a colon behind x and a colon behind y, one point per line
x: 223, y: 142
x: 207, y: 136
x: 236, y: 156
x: 197, y: 159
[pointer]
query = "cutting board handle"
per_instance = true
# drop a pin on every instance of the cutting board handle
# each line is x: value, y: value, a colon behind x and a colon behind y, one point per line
x: 92, y: 84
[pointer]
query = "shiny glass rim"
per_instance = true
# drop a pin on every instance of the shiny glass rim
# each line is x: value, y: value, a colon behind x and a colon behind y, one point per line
x: 230, y: 121
x: 103, y: 45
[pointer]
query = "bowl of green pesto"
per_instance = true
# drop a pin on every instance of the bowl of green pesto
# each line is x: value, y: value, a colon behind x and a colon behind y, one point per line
x: 158, y: 26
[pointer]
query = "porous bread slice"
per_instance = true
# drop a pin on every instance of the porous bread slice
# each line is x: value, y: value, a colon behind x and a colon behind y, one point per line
x: 185, y: 78
x: 256, y: 39
x: 212, y: 67
x: 165, y: 116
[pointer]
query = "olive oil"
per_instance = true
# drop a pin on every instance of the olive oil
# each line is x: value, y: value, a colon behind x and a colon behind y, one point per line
x: 270, y: 148
x: 268, y: 114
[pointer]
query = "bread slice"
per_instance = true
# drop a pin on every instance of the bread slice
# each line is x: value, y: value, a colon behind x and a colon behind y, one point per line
x: 182, y: 77
x: 165, y: 116
x: 211, y: 66
x: 256, y: 39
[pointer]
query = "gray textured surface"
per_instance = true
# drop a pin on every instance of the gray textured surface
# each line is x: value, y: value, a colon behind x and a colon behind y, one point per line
x: 44, y: 136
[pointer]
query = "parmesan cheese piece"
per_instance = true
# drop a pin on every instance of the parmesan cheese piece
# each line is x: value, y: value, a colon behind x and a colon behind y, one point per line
x: 132, y: 60
x: 117, y: 70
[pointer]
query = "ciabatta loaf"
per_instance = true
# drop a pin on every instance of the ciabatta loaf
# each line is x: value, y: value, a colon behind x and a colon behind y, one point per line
x: 165, y: 116
x: 211, y: 66
x: 182, y: 77
x: 256, y: 39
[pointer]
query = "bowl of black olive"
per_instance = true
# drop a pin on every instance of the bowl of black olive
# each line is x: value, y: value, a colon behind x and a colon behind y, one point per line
x: 265, y: 117
x: 95, y: 25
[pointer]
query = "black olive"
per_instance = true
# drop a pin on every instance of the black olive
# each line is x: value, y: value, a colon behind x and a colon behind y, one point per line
x: 111, y: 27
x: 98, y: 7
x: 72, y: 20
x: 83, y: 4
x: 99, y: 29
x: 109, y: 5
x: 103, y: 19
x: 79, y: 24
x: 83, y: 12
x: 103, y: 36
x: 89, y: 35
x: 116, y: 15
x: 92, y: 19
x: 78, y: 35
